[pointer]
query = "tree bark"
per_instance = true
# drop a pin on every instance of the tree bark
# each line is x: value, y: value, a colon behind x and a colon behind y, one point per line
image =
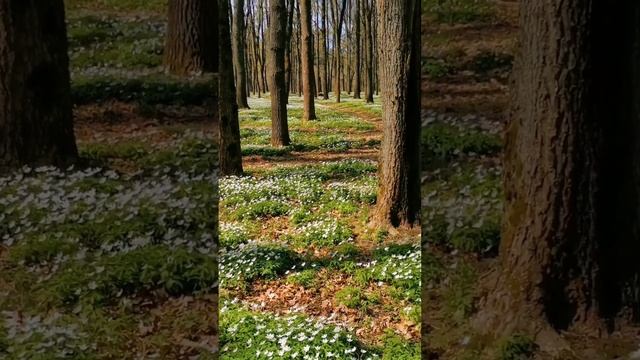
x: 287, y: 54
x: 36, y: 126
x: 307, y: 60
x: 325, y: 62
x: 190, y: 37
x: 277, y: 33
x: 399, y: 169
x: 358, y: 66
x: 368, y: 29
x: 239, y: 56
x: 230, y: 154
x: 571, y: 231
x: 337, y: 45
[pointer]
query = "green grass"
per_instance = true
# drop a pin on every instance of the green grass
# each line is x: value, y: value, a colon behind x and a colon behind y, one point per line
x: 142, y: 271
x: 148, y: 90
x: 249, y: 335
x: 517, y: 347
x: 124, y: 6
x: 459, y: 11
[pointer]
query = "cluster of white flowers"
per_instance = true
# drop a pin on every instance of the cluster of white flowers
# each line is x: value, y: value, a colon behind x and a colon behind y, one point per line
x: 289, y: 337
x: 324, y: 232
x: 250, y: 260
x: 397, y: 267
x: 468, y: 205
x: 52, y: 335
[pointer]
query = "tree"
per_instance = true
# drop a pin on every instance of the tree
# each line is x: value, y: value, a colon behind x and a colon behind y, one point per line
x: 369, y: 58
x: 338, y: 16
x: 277, y: 85
x: 239, y: 55
x: 307, y: 60
x: 399, y: 169
x: 190, y: 37
x: 570, y: 231
x: 230, y: 154
x: 36, y: 126
x: 325, y: 62
x: 358, y: 67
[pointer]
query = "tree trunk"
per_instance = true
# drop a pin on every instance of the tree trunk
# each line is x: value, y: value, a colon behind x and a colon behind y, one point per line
x: 325, y: 62
x: 230, y: 154
x: 368, y: 29
x: 36, y: 126
x: 190, y: 37
x: 571, y: 228
x: 307, y: 60
x: 287, y: 54
x: 399, y: 170
x: 358, y: 66
x: 238, y: 55
x: 277, y: 33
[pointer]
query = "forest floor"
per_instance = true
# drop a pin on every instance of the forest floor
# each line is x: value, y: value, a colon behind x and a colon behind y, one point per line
x: 300, y: 263
x: 468, y: 49
x: 115, y: 258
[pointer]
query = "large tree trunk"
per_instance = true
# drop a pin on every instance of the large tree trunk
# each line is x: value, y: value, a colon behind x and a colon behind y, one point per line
x: 230, y: 154
x: 277, y: 86
x: 36, y: 126
x: 399, y: 169
x: 571, y: 230
x: 190, y: 38
x: 238, y: 55
x: 307, y: 60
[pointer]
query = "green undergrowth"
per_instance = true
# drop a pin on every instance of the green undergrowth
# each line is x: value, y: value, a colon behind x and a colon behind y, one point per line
x: 148, y: 90
x: 459, y: 11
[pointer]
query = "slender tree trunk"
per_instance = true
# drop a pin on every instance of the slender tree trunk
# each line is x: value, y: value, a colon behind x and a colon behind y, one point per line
x: 325, y: 66
x: 307, y: 60
x: 358, y: 66
x: 190, y: 37
x: 36, y: 126
x: 287, y: 55
x: 238, y: 55
x: 230, y: 154
x: 277, y: 33
x: 337, y: 43
x: 571, y: 231
x: 368, y: 28
x: 399, y: 170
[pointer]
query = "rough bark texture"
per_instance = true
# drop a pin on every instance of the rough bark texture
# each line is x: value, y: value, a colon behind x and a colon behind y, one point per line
x: 36, y: 126
x: 572, y: 173
x: 230, y: 154
x: 307, y: 60
x: 277, y: 86
x: 190, y: 37
x: 239, y: 56
x: 399, y: 169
